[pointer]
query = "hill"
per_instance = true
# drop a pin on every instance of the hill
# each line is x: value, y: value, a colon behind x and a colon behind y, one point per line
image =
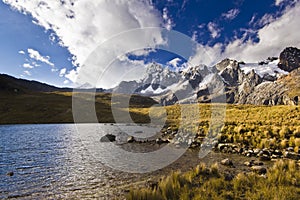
x: 32, y: 102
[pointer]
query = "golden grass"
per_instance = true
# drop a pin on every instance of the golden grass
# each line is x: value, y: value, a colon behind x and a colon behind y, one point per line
x: 280, y: 182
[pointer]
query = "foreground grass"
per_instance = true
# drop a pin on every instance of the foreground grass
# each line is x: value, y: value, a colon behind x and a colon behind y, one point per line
x: 282, y: 181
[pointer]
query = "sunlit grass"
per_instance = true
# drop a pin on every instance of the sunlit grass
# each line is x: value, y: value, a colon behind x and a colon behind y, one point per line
x: 280, y: 182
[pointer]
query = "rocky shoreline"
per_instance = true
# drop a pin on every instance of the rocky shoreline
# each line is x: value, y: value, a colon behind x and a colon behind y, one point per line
x: 232, y: 158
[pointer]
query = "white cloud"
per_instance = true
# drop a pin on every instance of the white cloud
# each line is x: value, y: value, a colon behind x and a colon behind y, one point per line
x: 273, y: 38
x: 27, y: 73
x: 27, y: 65
x: 122, y: 69
x: 66, y: 82
x: 214, y: 30
x: 82, y: 25
x: 266, y: 19
x: 205, y: 55
x: 279, y: 33
x: 38, y: 57
x: 168, y: 23
x: 62, y: 72
x: 72, y: 75
x: 174, y: 62
x: 21, y: 52
x: 231, y: 14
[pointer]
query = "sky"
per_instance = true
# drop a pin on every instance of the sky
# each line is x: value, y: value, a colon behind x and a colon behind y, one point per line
x: 54, y: 41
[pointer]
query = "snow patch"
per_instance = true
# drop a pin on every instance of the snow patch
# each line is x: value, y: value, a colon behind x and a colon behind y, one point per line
x: 265, y: 69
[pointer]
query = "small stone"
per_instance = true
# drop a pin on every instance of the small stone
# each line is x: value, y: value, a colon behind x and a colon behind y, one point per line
x: 131, y: 139
x: 248, y: 164
x: 290, y: 149
x: 240, y: 150
x: 258, y: 163
x: 264, y: 157
x: 228, y: 177
x: 277, y: 152
x: 266, y: 151
x: 10, y: 173
x: 227, y: 162
x: 259, y: 169
x: 256, y: 151
x: 291, y: 155
x: 161, y: 141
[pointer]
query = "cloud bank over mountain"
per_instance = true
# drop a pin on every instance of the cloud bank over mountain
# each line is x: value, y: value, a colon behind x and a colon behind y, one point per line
x: 82, y: 25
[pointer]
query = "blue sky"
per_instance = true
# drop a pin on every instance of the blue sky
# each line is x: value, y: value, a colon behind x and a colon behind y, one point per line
x: 49, y: 42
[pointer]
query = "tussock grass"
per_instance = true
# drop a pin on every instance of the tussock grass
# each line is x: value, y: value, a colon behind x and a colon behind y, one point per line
x: 281, y: 182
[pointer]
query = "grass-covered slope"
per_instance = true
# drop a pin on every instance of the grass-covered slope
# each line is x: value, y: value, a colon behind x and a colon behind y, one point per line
x: 56, y: 107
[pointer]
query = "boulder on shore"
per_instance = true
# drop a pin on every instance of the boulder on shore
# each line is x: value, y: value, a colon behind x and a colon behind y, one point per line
x: 108, y: 138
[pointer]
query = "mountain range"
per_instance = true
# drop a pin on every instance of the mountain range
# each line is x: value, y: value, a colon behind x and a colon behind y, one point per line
x: 274, y: 81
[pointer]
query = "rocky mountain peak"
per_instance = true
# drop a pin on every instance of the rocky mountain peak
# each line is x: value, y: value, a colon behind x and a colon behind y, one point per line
x: 154, y: 68
x: 289, y: 59
x: 227, y: 63
x: 261, y: 83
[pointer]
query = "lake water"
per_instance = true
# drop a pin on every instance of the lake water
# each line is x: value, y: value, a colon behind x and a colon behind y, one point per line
x: 50, y: 161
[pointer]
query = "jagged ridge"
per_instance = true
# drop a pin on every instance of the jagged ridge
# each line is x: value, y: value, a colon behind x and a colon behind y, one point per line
x: 261, y: 83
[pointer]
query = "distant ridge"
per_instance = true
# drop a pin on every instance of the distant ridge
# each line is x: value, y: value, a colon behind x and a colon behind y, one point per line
x: 10, y: 84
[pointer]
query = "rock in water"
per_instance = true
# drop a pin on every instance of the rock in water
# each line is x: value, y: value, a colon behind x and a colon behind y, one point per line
x: 131, y: 139
x: 10, y: 173
x: 108, y: 138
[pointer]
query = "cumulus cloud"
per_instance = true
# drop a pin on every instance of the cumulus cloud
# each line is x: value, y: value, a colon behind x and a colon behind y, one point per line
x: 66, y: 82
x: 62, y: 72
x: 27, y: 65
x: 38, y: 57
x: 231, y: 14
x: 27, y: 73
x: 214, y: 30
x: 21, y: 52
x: 82, y: 25
x: 281, y: 32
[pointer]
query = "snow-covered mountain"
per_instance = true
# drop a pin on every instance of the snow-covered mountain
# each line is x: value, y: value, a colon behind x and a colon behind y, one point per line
x: 259, y: 83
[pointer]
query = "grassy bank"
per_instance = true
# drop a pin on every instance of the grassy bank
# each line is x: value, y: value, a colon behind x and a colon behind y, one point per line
x: 282, y: 181
x: 275, y: 127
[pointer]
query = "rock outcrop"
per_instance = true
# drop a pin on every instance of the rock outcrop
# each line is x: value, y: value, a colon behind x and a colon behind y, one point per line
x: 289, y: 59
